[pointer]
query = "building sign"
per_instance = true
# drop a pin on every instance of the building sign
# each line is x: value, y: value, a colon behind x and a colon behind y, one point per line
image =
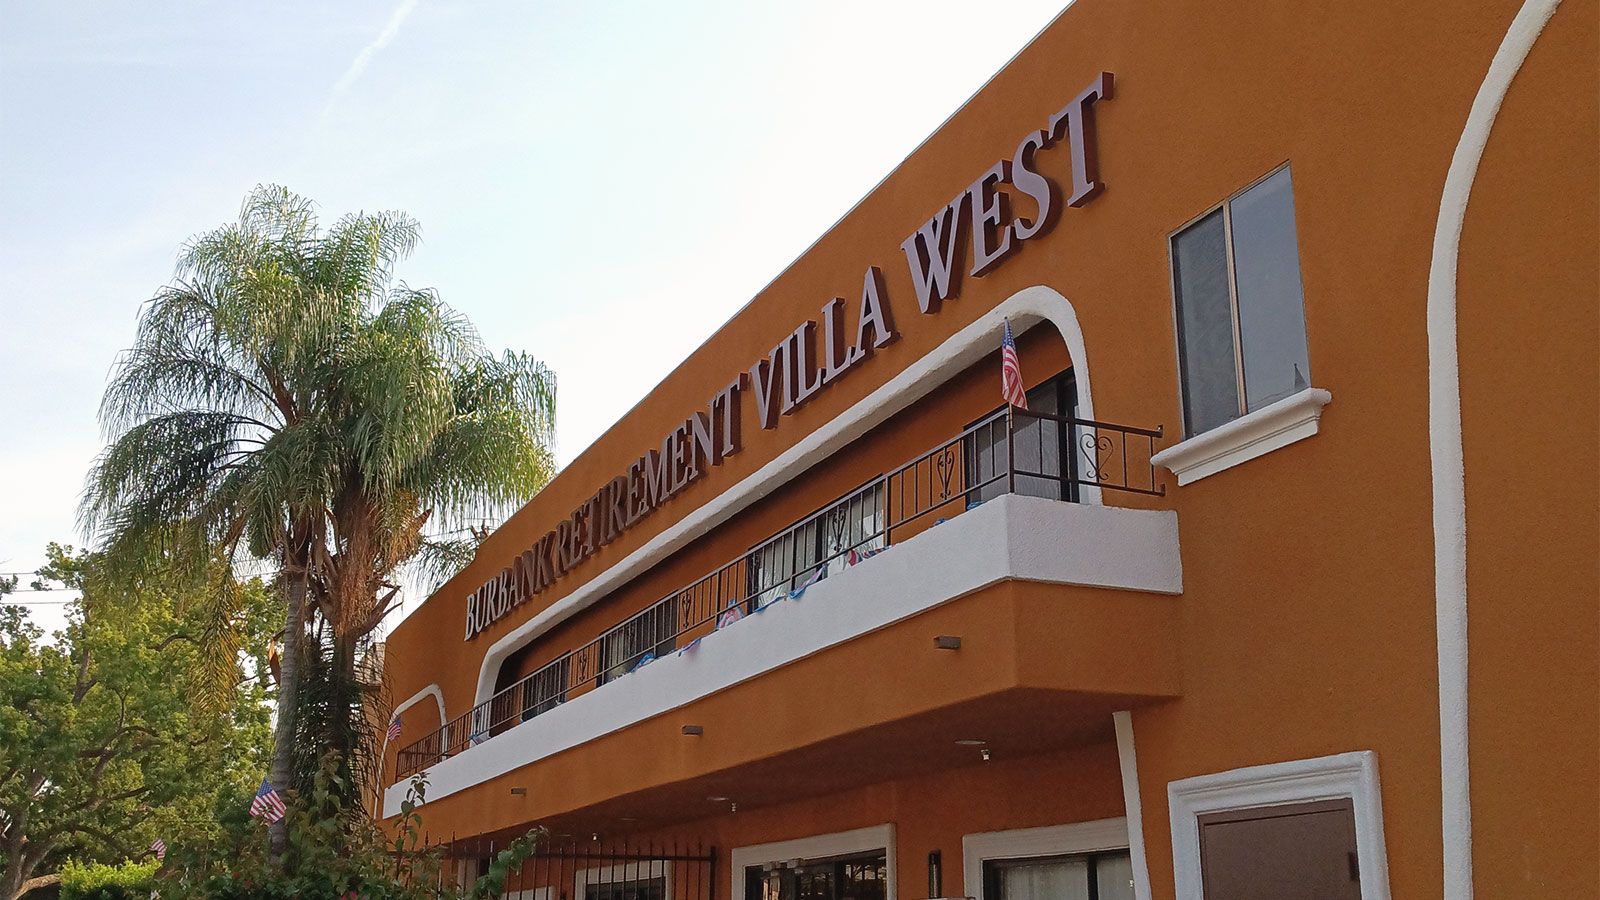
x: 817, y: 354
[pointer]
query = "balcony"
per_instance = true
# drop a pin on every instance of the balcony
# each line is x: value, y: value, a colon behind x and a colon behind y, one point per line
x: 980, y: 508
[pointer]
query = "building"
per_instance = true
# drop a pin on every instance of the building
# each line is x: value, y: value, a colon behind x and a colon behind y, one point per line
x: 1284, y: 583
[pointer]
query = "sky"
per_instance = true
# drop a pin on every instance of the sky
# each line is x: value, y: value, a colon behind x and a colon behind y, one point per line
x: 595, y: 181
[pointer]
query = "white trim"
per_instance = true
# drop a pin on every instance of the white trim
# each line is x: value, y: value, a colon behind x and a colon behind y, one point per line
x: 1128, y: 763
x: 1445, y: 445
x: 431, y: 690
x: 623, y: 873
x: 1352, y: 776
x: 1050, y: 840
x: 819, y: 846
x: 534, y: 893
x: 1010, y: 538
x: 1026, y: 308
x: 1253, y: 434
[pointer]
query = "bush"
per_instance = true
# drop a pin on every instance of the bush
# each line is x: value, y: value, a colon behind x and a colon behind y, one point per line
x: 335, y: 853
x: 97, y: 881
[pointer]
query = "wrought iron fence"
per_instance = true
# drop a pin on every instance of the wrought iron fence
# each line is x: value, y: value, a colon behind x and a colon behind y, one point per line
x: 566, y: 868
x: 1009, y: 451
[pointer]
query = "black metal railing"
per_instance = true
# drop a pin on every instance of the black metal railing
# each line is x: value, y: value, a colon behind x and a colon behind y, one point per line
x: 568, y: 869
x: 1009, y: 451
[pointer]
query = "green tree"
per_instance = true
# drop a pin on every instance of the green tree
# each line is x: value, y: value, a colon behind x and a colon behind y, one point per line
x: 366, y: 862
x: 286, y: 401
x: 101, y: 747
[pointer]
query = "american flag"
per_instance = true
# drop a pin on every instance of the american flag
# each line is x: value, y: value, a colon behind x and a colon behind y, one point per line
x: 267, y: 805
x: 394, y: 728
x: 1011, y: 389
x: 159, y: 847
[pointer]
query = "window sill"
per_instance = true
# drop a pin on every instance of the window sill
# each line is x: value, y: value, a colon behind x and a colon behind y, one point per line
x: 1245, y: 438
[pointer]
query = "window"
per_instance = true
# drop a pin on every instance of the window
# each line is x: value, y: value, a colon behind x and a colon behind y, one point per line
x: 1240, y: 309
x: 1307, y: 828
x: 1083, y: 876
x: 546, y: 688
x: 790, y: 559
x: 1300, y: 851
x: 1041, y: 448
x: 855, y: 877
x: 636, y: 889
x: 634, y: 879
x: 654, y: 632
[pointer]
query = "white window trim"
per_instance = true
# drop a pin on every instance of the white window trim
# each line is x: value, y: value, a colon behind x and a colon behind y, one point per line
x: 1345, y: 776
x: 839, y: 843
x: 622, y: 872
x: 1278, y: 424
x: 1050, y: 840
x: 536, y: 893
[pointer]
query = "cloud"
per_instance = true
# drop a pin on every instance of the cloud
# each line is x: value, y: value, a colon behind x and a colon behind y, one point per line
x: 359, y: 64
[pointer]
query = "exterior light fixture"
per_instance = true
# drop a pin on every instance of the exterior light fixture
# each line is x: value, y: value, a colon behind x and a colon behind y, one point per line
x: 718, y: 799
x: 970, y: 742
x: 694, y: 729
x: 947, y: 642
x: 984, y: 753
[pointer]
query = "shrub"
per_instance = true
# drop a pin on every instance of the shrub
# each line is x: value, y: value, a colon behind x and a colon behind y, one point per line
x: 335, y: 853
x: 98, y: 881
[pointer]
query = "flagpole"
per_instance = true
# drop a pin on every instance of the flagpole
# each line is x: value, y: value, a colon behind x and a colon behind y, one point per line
x: 1011, y: 449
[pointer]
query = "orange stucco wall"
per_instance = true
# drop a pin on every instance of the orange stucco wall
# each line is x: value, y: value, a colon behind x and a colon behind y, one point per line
x: 1306, y: 624
x: 861, y: 711
x: 1530, y: 335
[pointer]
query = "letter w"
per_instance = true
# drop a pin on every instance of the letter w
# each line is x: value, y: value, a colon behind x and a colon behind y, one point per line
x: 931, y: 254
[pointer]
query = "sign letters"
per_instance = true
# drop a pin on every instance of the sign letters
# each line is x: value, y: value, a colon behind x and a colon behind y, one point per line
x: 820, y: 351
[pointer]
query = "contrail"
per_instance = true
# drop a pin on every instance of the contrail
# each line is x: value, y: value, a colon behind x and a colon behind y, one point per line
x: 359, y: 64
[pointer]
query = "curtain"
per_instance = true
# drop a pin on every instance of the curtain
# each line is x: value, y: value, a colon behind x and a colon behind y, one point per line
x: 1061, y: 879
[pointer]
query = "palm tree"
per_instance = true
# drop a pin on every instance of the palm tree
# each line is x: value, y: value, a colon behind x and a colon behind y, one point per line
x: 285, y: 402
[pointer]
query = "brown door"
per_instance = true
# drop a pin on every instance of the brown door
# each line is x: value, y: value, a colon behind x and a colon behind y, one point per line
x: 1301, y: 851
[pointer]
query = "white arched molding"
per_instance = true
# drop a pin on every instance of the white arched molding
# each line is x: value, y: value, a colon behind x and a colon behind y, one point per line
x: 1445, y: 445
x: 431, y: 690
x: 1025, y: 309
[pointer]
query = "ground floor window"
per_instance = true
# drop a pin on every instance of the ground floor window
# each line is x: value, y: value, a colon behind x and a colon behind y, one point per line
x: 856, y: 877
x: 844, y: 865
x: 633, y: 889
x: 1078, y: 876
x: 1308, y: 829
x: 1072, y: 861
x: 637, y: 880
x: 1298, y: 850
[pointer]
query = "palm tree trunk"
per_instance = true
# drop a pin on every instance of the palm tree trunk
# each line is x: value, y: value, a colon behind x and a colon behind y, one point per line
x: 351, y: 732
x: 295, y: 581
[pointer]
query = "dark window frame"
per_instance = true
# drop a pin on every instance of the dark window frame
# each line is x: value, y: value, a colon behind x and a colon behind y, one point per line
x: 1225, y: 206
